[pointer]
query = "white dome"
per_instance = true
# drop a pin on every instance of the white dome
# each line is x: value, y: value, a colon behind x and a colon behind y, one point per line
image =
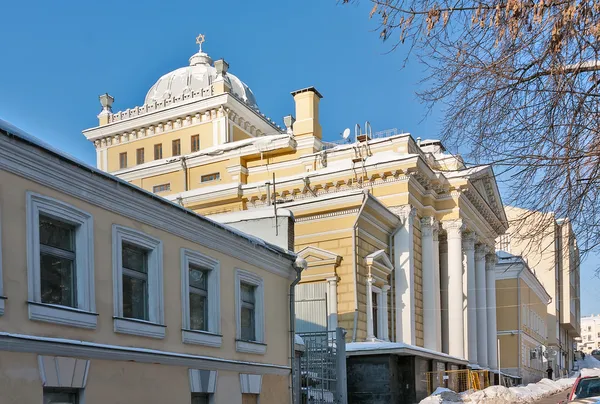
x: 199, y: 75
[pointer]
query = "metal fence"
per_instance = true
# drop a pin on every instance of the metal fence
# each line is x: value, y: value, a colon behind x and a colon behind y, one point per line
x: 323, y: 368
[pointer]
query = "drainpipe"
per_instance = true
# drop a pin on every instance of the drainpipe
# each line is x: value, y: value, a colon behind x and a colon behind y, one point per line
x: 299, y: 265
x: 185, y: 173
x: 393, y: 294
x: 355, y: 265
x: 519, y: 320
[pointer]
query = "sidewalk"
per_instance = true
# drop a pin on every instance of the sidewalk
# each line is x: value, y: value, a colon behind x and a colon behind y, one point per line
x: 555, y: 399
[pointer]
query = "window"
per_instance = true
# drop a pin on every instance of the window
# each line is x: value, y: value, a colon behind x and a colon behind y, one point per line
x: 249, y: 398
x: 195, y: 143
x: 60, y: 396
x: 249, y: 295
x: 60, y: 263
x: 200, y: 299
x: 161, y: 188
x: 139, y: 156
x: 200, y: 398
x: 375, y: 302
x: 210, y: 177
x: 158, y: 151
x: 123, y: 160
x: 248, y: 322
x: 176, y: 147
x: 137, y: 283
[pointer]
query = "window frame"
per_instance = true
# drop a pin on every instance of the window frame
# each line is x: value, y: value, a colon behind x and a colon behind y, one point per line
x: 167, y: 186
x: 62, y: 390
x: 158, y: 147
x: 121, y: 165
x: 217, y: 177
x: 258, y: 346
x: 155, y: 326
x: 84, y: 315
x: 137, y: 155
x: 175, y: 142
x: 195, y: 141
x: 211, y: 337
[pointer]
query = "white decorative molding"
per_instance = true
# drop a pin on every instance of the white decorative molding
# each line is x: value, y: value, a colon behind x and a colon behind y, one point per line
x: 92, y: 350
x: 203, y: 381
x: 250, y: 384
x: 62, y: 315
x: 211, y: 336
x: 63, y: 372
x: 154, y: 327
x: 259, y: 312
x: 84, y: 314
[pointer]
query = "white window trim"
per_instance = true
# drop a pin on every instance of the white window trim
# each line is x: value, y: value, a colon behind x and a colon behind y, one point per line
x: 155, y: 326
x: 213, y: 336
x: 84, y: 315
x: 259, y: 346
x: 381, y: 318
x: 2, y: 297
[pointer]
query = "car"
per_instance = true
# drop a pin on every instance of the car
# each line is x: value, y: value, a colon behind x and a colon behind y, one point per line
x: 586, y: 388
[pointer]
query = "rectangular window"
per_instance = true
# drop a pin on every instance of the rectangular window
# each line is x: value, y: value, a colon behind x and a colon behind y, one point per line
x: 200, y: 303
x: 60, y: 264
x: 123, y: 160
x: 247, y: 321
x: 198, y: 298
x: 249, y: 398
x: 158, y: 151
x: 176, y: 147
x: 195, y: 143
x: 57, y: 262
x: 139, y: 156
x: 249, y: 295
x: 375, y: 302
x: 135, y: 281
x: 210, y: 177
x: 60, y: 396
x: 161, y: 188
x: 200, y: 398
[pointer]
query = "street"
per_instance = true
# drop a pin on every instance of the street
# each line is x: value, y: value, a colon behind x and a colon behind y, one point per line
x: 554, y: 399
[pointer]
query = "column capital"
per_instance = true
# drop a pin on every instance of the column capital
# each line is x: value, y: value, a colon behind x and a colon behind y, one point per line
x: 490, y: 261
x: 333, y: 279
x: 370, y: 280
x: 404, y: 212
x: 453, y: 228
x: 480, y: 251
x: 428, y: 225
x: 468, y: 241
x: 386, y: 288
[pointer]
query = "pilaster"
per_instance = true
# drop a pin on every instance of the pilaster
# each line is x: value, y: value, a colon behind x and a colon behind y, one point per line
x: 470, y: 291
x: 431, y: 286
x: 332, y: 310
x: 481, y: 310
x: 405, y: 277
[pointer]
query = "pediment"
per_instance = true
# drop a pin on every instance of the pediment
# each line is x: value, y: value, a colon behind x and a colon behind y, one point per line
x: 316, y: 256
x: 381, y: 260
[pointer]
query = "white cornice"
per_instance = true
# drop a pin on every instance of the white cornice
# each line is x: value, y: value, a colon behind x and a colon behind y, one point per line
x: 90, y: 350
x: 37, y: 164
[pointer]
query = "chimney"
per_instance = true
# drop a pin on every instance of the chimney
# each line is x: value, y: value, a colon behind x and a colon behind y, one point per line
x: 307, y: 112
x: 106, y: 100
x: 221, y: 84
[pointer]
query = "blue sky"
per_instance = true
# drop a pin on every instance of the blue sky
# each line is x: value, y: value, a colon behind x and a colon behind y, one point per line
x: 57, y: 57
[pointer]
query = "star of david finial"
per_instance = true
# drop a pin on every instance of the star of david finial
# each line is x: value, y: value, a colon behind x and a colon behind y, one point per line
x: 200, y: 40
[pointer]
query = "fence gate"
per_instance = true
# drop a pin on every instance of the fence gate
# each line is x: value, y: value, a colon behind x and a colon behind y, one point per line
x: 318, y: 368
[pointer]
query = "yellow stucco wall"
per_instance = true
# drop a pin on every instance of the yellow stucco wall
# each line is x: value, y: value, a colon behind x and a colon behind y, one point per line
x: 507, y: 305
x: 15, y: 319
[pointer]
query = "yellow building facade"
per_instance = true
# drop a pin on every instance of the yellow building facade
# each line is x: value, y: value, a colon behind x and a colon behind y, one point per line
x: 111, y: 294
x: 398, y: 234
x: 522, y: 320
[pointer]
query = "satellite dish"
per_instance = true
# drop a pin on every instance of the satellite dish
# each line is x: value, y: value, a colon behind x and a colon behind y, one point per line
x: 346, y: 133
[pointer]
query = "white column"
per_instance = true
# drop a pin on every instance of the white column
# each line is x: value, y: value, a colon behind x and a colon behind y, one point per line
x: 443, y: 259
x: 431, y: 289
x: 385, y: 289
x: 436, y: 281
x: 405, y: 277
x: 490, y: 268
x: 370, y: 331
x: 482, y: 341
x: 470, y: 290
x: 456, y: 332
x: 332, y: 311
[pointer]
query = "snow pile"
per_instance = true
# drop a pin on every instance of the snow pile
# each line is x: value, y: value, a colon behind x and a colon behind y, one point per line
x: 442, y: 395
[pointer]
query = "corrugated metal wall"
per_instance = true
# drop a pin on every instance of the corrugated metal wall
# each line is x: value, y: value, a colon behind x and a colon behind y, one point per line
x: 311, y: 307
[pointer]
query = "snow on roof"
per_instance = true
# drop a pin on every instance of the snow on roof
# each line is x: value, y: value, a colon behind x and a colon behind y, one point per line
x: 464, y: 172
x: 13, y: 131
x: 387, y: 346
x: 253, y: 214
